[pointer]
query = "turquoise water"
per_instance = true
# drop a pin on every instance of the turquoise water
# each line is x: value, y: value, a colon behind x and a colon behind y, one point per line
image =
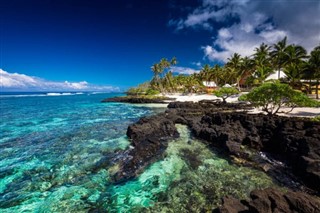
x: 51, y: 144
x: 55, y: 152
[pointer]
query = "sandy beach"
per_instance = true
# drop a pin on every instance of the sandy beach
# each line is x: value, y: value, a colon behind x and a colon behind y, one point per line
x: 299, y: 111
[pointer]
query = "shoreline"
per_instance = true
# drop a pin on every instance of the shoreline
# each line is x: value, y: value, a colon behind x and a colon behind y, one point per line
x: 230, y: 131
x: 165, y: 100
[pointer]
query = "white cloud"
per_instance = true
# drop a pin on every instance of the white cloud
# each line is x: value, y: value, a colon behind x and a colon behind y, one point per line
x: 257, y: 21
x: 21, y: 82
x: 183, y: 70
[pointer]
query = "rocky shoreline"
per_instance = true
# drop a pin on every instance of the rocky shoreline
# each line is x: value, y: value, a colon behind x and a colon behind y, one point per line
x: 281, y: 146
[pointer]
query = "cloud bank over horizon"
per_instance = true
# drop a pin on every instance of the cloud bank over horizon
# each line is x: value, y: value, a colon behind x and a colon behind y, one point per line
x: 241, y: 25
x: 21, y: 82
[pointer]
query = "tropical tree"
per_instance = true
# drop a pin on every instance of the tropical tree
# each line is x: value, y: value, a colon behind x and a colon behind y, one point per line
x: 262, y: 53
x: 295, y: 54
x: 278, y: 54
x: 271, y: 97
x: 262, y: 63
x: 314, y: 66
x: 225, y: 92
x: 294, y: 72
x: 233, y: 68
x: 246, y: 70
x: 159, y: 70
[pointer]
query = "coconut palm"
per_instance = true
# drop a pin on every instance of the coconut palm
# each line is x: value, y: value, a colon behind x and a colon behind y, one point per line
x: 234, y: 68
x: 246, y: 69
x: 295, y: 54
x: 314, y: 66
x: 278, y: 54
x: 294, y: 72
x: 262, y: 53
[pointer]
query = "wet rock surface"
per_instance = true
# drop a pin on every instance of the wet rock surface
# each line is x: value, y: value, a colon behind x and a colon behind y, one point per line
x: 149, y: 137
x: 271, y: 200
x: 294, y: 143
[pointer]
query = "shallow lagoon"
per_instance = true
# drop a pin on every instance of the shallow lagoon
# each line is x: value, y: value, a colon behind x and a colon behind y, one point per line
x: 50, y: 153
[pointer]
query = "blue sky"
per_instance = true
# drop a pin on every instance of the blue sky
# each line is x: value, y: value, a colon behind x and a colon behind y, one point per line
x: 105, y: 45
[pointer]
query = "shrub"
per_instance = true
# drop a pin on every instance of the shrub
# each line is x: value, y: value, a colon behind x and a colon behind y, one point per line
x: 225, y: 92
x: 152, y: 92
x: 272, y: 96
x: 316, y: 119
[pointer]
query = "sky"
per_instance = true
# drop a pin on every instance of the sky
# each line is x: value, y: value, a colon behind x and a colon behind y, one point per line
x: 110, y: 45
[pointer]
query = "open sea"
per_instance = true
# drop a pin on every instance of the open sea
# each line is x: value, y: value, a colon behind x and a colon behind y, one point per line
x: 51, y: 145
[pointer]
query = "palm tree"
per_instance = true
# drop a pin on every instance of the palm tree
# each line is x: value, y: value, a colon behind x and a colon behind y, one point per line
x: 262, y: 72
x: 234, y: 68
x: 314, y: 66
x: 294, y: 73
x: 295, y: 56
x: 278, y: 54
x: 246, y: 69
x: 205, y: 73
x: 262, y: 53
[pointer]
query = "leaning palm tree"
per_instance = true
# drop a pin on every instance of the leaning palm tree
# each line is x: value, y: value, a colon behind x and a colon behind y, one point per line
x: 278, y: 54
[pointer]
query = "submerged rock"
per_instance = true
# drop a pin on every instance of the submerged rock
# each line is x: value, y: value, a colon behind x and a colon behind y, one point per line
x: 271, y: 200
x: 149, y: 138
x: 293, y: 141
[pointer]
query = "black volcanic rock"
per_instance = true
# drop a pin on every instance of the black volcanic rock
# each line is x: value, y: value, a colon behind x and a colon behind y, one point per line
x: 271, y: 200
x: 149, y: 138
x: 295, y: 140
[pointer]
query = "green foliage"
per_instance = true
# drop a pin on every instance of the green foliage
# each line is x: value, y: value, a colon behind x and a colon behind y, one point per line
x: 272, y: 96
x: 152, y: 92
x: 225, y: 92
x: 316, y: 119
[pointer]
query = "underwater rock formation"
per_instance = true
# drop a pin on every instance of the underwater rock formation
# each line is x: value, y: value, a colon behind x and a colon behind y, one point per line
x: 294, y: 141
x: 271, y: 200
x: 149, y: 138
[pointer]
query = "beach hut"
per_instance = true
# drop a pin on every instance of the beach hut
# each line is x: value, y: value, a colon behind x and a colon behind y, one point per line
x: 274, y: 76
x: 210, y: 86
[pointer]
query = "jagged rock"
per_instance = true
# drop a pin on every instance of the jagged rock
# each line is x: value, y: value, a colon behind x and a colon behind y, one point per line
x: 293, y: 139
x: 272, y: 200
x: 149, y: 137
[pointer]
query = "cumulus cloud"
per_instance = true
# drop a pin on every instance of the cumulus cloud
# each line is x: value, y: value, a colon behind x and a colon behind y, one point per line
x: 183, y: 70
x: 251, y: 22
x: 22, y: 82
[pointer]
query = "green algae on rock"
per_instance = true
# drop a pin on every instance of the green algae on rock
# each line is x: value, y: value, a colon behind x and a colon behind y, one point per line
x: 190, y: 177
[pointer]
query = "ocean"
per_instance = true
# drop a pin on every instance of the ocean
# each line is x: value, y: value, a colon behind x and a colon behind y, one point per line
x: 51, y: 145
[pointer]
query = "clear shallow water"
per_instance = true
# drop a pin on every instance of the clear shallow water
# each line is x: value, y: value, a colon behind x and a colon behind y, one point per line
x: 191, y: 178
x: 51, y: 144
x: 55, y: 152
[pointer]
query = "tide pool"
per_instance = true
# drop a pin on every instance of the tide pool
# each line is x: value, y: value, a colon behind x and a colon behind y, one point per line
x: 55, y: 152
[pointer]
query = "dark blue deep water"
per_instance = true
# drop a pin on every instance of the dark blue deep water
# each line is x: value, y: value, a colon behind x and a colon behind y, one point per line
x: 51, y: 145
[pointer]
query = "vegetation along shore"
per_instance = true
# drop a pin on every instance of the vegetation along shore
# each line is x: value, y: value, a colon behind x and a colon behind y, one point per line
x: 284, y: 147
